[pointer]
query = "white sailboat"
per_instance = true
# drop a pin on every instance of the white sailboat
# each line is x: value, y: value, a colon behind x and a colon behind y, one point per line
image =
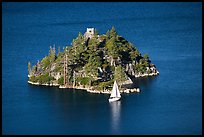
x: 115, y: 95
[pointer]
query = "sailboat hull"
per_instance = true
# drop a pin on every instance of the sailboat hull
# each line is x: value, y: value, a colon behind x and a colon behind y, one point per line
x: 113, y: 99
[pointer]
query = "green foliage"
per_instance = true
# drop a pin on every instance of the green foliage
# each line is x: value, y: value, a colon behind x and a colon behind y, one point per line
x: 77, y: 54
x: 79, y: 40
x: 105, y: 85
x: 134, y: 54
x: 44, y: 78
x: 146, y: 56
x: 113, y: 32
x: 80, y: 37
x: 58, y: 68
x: 70, y: 52
x: 145, y: 63
x: 120, y: 74
x: 59, y: 57
x: 52, y: 54
x: 93, y: 44
x: 61, y: 81
x: 45, y: 62
x: 112, y: 48
x: 108, y: 35
x: 141, y: 67
x: 91, y: 68
x: 83, y: 80
x: 33, y: 79
x: 95, y: 82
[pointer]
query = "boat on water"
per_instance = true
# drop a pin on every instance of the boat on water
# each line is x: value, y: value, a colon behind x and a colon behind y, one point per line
x: 115, y: 94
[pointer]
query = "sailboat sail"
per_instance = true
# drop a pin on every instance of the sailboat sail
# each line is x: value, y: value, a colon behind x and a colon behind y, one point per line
x: 118, y: 92
x: 115, y: 91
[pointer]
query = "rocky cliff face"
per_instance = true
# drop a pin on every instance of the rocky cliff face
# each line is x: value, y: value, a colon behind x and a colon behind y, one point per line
x: 94, y: 61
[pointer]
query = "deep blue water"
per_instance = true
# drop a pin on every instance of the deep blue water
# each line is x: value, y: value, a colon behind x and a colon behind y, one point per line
x: 171, y: 103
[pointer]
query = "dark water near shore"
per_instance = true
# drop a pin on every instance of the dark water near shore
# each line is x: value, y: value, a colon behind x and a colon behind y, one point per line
x: 171, y: 103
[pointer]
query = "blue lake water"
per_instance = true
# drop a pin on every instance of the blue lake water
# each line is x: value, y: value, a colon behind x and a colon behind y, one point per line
x: 171, y: 103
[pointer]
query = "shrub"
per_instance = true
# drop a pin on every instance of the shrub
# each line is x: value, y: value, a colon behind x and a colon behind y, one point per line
x: 61, y: 81
x: 45, y: 78
x: 83, y: 80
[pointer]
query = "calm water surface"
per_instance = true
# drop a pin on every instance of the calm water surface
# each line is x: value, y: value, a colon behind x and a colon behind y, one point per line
x: 170, y: 103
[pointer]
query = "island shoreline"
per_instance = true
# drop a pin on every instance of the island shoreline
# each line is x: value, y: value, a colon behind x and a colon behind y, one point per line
x: 126, y: 90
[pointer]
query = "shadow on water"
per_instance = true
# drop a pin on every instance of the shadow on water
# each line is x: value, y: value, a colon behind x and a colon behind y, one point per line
x: 67, y: 98
x: 142, y: 82
x: 115, y: 116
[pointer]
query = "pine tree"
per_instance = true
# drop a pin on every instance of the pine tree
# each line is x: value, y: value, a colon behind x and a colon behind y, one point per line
x: 113, y: 32
x: 120, y: 75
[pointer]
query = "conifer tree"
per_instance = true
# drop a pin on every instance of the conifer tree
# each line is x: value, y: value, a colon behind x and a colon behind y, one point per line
x: 120, y: 75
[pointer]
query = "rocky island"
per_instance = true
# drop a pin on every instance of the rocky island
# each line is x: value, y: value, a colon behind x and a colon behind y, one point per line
x: 93, y: 62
